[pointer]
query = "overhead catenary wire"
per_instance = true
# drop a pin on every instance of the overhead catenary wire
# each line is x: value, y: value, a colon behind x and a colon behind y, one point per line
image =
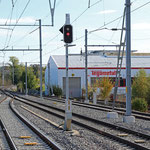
x: 92, y: 31
x: 85, y: 11
x: 80, y: 37
x: 119, y: 17
x: 9, y: 23
x: 17, y: 22
x: 74, y: 21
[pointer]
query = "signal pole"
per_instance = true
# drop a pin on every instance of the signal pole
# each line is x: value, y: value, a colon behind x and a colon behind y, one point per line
x: 68, y: 103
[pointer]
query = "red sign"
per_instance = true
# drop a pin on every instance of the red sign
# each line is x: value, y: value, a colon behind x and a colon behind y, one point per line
x: 99, y: 73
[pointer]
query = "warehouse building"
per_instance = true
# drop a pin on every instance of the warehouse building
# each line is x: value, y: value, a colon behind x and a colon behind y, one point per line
x: 98, y: 67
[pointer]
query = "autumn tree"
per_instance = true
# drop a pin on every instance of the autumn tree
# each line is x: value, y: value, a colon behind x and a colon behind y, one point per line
x: 106, y: 87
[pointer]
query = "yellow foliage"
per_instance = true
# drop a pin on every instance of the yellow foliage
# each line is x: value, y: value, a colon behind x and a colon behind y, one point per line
x: 106, y: 87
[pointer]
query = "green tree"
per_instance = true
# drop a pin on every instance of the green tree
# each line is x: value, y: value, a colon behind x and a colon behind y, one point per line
x: 36, y: 70
x: 14, y: 61
x: 32, y: 81
x: 18, y: 69
x: 148, y: 92
x: 139, y: 104
x: 140, y: 85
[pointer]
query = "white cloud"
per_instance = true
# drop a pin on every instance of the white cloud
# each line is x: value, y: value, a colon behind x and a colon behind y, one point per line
x: 21, y: 20
x: 141, y: 26
x: 107, y: 12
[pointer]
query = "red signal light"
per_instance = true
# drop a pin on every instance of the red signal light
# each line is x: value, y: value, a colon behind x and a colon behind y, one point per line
x: 67, y: 33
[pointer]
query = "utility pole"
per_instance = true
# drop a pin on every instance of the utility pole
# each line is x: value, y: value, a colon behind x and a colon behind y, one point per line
x: 86, y: 68
x: 13, y: 74
x: 3, y: 76
x: 26, y: 78
x: 52, y: 9
x: 40, y: 45
x: 49, y: 78
x: 128, y: 117
x: 40, y: 38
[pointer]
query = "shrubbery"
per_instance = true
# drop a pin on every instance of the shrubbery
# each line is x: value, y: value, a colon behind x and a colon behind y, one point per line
x: 57, y: 90
x: 139, y: 104
x: 141, y: 86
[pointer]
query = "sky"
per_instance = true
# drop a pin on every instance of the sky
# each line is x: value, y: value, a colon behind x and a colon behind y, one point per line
x: 84, y: 14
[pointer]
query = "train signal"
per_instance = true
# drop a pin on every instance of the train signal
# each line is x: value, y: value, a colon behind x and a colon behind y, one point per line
x: 68, y: 33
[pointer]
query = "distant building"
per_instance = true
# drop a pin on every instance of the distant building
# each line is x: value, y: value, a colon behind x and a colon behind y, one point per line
x: 98, y: 67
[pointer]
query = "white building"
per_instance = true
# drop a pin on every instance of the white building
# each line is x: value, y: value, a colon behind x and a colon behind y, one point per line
x: 98, y: 67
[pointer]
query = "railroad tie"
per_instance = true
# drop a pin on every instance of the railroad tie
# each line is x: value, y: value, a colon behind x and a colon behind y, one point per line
x: 139, y: 141
x: 122, y: 134
x: 30, y: 144
x: 24, y: 137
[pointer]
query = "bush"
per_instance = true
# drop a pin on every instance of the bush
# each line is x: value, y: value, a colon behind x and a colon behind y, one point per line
x: 106, y: 87
x: 140, y: 85
x: 57, y: 90
x: 139, y: 104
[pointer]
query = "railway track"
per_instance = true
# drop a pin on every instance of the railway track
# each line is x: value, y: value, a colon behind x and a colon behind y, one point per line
x: 121, y: 111
x: 6, y: 141
x: 109, y: 130
x: 137, y: 114
x: 19, y: 135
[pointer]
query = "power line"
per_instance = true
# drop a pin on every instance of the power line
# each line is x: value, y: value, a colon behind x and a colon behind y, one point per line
x: 103, y: 25
x: 73, y: 21
x: 85, y: 11
x: 118, y: 18
x: 17, y: 22
x: 141, y: 6
x: 9, y: 23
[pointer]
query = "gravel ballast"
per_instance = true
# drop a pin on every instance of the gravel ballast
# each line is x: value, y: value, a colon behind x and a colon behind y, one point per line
x: 16, y: 129
x: 87, y: 140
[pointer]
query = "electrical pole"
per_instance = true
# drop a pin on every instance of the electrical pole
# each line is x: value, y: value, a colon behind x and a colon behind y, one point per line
x: 40, y: 45
x: 26, y: 78
x: 86, y: 68
x: 13, y: 74
x: 3, y: 76
x: 128, y: 117
x: 49, y: 78
x: 40, y: 38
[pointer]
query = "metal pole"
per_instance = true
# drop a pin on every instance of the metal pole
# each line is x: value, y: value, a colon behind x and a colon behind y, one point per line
x: 13, y: 75
x: 26, y: 76
x: 86, y: 69
x: 67, y: 80
x: 128, y: 59
x: 68, y: 103
x: 49, y: 79
x: 3, y: 78
x: 40, y: 37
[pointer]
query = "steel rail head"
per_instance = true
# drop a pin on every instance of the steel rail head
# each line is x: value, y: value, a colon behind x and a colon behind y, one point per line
x: 7, y: 135
x: 41, y: 134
